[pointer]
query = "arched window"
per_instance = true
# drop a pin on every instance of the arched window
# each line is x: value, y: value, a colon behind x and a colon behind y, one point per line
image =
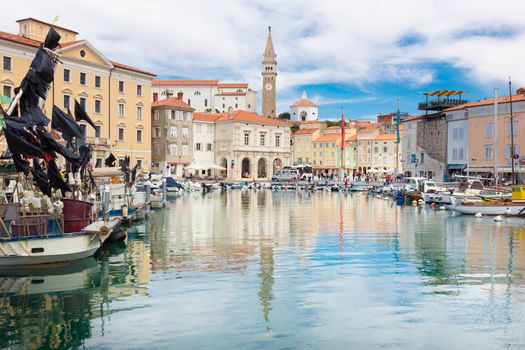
x: 197, y: 93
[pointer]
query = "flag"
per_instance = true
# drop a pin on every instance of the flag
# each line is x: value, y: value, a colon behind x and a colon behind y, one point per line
x: 342, y: 139
x: 55, y: 20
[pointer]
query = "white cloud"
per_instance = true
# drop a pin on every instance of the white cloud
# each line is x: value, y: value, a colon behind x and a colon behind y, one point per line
x: 317, y: 42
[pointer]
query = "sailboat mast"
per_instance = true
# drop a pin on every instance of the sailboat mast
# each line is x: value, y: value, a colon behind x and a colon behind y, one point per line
x: 496, y: 135
x: 511, y: 134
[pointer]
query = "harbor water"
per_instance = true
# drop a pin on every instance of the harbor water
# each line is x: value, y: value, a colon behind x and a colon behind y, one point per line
x: 282, y: 270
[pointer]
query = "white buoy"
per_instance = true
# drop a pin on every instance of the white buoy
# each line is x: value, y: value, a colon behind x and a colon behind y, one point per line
x: 498, y: 218
x: 507, y: 211
x: 442, y: 207
x: 479, y: 215
x: 414, y: 202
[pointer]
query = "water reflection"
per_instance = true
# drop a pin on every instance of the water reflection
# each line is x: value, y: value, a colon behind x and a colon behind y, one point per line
x: 282, y: 269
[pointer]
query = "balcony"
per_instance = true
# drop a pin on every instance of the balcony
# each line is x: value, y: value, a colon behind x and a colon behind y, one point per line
x: 97, y: 141
x: 443, y: 100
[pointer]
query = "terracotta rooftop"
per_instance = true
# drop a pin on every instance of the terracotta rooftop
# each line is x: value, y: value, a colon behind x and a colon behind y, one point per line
x: 488, y: 101
x: 231, y: 94
x: 352, y: 138
x: 303, y: 102
x: 207, y: 117
x: 417, y: 117
x: 49, y: 24
x: 385, y: 137
x: 328, y: 138
x: 244, y: 116
x: 35, y: 43
x: 172, y: 102
x: 233, y: 85
x: 185, y: 82
x: 305, y: 131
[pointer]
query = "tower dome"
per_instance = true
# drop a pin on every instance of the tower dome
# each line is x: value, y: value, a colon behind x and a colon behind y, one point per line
x: 304, y: 109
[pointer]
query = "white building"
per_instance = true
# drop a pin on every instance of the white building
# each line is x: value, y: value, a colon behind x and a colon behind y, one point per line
x: 208, y: 95
x: 204, y: 144
x: 304, y: 109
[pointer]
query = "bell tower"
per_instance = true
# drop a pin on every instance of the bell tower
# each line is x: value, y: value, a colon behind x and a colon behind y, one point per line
x: 269, y: 74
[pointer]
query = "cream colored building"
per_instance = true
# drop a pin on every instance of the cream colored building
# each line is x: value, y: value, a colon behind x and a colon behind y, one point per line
x: 116, y: 96
x: 303, y: 153
x: 251, y: 146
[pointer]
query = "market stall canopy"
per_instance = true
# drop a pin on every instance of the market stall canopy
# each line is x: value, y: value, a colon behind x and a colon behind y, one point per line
x: 107, y: 172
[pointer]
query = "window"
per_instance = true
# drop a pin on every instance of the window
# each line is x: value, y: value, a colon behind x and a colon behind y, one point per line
x: 262, y: 139
x: 139, y: 135
x: 120, y: 109
x: 422, y: 159
x: 385, y: 149
x: 208, y: 147
x: 189, y: 102
x: 488, y: 152
x: 185, y: 150
x: 223, y: 105
x: 376, y: 150
x: 178, y: 114
x: 67, y: 101
x: 82, y: 78
x: 173, y: 150
x: 514, y: 128
x: 184, y: 133
x: 246, y: 138
x: 83, y: 129
x: 460, y: 153
x: 156, y: 115
x: 139, y: 90
x: 197, y: 93
x: 98, y: 82
x: 277, y: 140
x: 236, y: 106
x: 139, y: 163
x: 67, y: 77
x: 7, y: 63
x: 98, y: 106
x: 7, y: 91
x: 315, y: 145
x: 97, y: 131
x: 120, y: 86
x: 121, y: 134
x: 82, y: 102
x: 98, y: 163
x: 508, y: 153
x: 489, y: 129
x: 198, y: 127
x: 139, y: 112
x: 205, y: 102
x: 197, y: 146
x: 173, y: 132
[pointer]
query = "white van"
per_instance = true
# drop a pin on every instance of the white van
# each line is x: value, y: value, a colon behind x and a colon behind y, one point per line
x: 286, y: 175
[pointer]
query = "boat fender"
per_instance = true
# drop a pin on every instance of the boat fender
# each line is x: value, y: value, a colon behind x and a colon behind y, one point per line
x: 498, y: 218
x: 442, y: 207
x: 478, y: 215
x: 125, y: 211
x: 507, y: 211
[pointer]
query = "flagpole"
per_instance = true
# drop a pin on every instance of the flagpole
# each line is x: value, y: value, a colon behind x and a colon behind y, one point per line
x: 342, y: 142
x: 398, y: 138
x: 511, y: 134
x: 496, y: 136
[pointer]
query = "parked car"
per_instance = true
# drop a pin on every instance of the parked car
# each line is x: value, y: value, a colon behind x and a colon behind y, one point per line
x: 286, y: 175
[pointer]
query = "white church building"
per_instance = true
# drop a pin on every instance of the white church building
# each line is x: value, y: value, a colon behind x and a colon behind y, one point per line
x: 304, y: 110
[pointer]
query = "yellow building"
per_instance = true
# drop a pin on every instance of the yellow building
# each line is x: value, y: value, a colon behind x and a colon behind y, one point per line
x: 116, y: 96
x: 303, y: 153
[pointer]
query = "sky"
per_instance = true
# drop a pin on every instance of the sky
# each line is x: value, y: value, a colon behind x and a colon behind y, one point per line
x: 353, y: 57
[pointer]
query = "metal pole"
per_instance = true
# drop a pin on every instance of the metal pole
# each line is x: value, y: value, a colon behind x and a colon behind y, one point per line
x: 511, y: 134
x: 496, y: 135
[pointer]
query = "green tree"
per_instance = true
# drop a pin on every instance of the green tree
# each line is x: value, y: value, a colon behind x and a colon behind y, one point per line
x: 284, y: 115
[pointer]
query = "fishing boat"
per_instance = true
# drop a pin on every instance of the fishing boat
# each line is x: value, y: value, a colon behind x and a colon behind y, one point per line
x: 514, y: 207
x: 48, y: 217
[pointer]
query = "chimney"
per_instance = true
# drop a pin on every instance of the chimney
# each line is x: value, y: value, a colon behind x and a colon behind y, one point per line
x: 179, y: 95
x: 520, y: 91
x: 155, y: 96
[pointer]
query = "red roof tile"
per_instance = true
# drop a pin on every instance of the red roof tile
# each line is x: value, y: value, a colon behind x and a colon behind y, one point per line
x: 123, y: 66
x: 488, y: 101
x: 231, y: 94
x: 185, y: 82
x: 172, y: 102
x: 303, y: 102
x: 19, y: 39
x: 305, y: 131
x: 49, y: 24
x: 328, y: 138
x: 385, y: 137
x: 233, y: 85
x: 244, y: 116
x: 207, y: 117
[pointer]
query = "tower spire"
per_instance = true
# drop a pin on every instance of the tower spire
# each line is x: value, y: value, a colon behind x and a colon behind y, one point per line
x: 269, y: 52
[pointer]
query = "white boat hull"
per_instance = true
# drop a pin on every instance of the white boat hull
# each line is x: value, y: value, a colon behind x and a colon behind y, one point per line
x: 51, y: 249
x: 491, y: 210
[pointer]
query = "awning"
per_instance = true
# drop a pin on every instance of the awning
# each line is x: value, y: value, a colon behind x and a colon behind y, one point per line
x: 176, y: 163
x: 204, y: 166
x: 456, y: 166
x: 107, y: 172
